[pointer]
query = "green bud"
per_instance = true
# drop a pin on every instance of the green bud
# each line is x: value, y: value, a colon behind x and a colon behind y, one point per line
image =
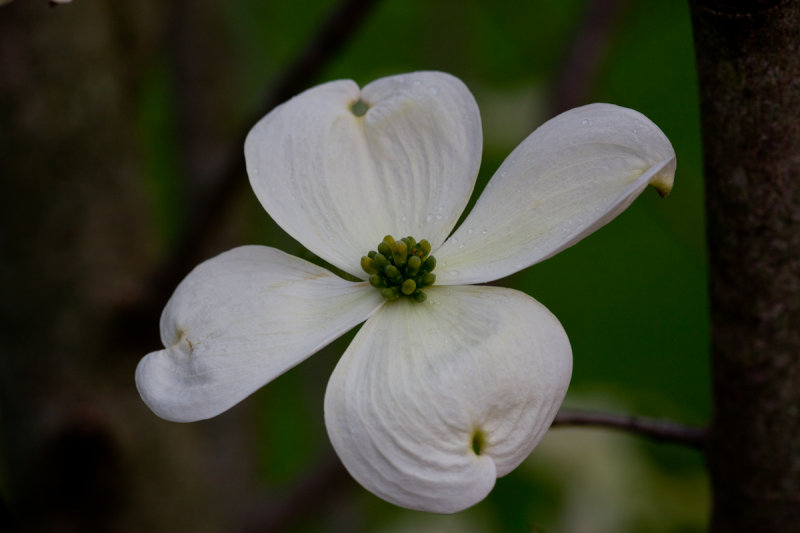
x: 425, y: 246
x: 418, y: 296
x: 372, y: 254
x: 410, y: 242
x: 399, y: 253
x: 388, y: 239
x: 368, y: 265
x: 427, y: 280
x: 377, y: 281
x: 412, y: 267
x: 380, y: 262
x: 393, y: 274
x: 429, y: 264
x: 391, y: 293
x: 385, y: 249
x: 408, y: 287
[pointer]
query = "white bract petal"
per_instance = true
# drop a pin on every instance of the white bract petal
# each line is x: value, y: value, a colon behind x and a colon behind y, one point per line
x: 338, y: 182
x: 239, y: 320
x: 568, y: 178
x: 422, y: 385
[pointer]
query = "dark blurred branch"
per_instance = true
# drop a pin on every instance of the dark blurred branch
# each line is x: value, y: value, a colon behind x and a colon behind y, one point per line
x: 333, y: 34
x: 587, y: 53
x: 659, y: 430
x: 319, y: 487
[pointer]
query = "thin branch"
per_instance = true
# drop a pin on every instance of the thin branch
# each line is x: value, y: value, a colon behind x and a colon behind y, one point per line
x: 575, y: 81
x: 340, y: 26
x: 654, y: 429
x: 331, y: 37
x: 319, y: 487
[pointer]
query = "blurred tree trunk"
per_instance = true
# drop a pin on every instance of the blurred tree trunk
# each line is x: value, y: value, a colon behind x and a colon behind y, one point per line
x: 81, y: 452
x: 748, y: 62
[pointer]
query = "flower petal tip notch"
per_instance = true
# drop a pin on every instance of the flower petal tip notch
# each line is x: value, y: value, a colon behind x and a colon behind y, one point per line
x: 404, y: 401
x: 359, y: 108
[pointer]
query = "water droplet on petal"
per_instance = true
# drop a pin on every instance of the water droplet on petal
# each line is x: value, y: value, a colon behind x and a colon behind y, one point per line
x: 434, y: 91
x: 455, y: 241
x: 428, y: 218
x: 438, y: 217
x: 586, y: 122
x: 484, y: 231
x: 470, y: 231
x: 404, y: 218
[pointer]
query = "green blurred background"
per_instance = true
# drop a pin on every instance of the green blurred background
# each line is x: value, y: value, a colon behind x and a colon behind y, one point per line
x: 632, y: 296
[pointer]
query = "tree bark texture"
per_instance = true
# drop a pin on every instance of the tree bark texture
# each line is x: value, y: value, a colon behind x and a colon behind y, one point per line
x: 748, y: 63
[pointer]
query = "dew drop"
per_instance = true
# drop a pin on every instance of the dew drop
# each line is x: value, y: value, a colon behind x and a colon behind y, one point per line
x: 438, y: 217
x: 404, y: 218
x: 460, y: 246
x: 434, y: 91
x: 455, y: 241
x: 470, y: 231
x: 586, y: 122
x: 454, y: 272
x: 417, y: 83
x: 254, y: 171
x: 484, y: 231
x: 428, y: 218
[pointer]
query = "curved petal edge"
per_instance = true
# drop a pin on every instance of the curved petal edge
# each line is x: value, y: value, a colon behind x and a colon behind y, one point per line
x: 571, y: 176
x: 238, y: 321
x: 432, y: 402
x: 338, y: 180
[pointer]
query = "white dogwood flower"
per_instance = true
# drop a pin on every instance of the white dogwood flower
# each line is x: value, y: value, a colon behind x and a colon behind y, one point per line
x: 447, y: 385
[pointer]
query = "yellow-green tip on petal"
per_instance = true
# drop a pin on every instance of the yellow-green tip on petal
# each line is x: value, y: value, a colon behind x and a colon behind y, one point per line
x: 662, y: 181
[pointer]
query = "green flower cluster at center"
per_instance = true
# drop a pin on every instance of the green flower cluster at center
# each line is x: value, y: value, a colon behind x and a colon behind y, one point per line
x: 400, y: 268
